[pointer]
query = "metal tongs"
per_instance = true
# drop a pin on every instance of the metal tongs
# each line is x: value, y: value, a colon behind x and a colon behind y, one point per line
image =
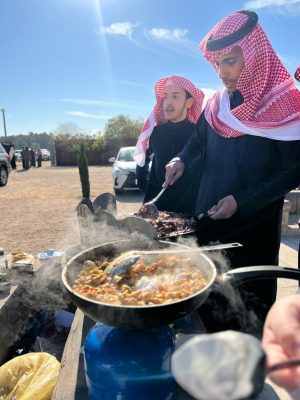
x: 122, y: 263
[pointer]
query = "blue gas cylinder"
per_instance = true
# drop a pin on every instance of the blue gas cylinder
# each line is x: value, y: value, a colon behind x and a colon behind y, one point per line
x: 129, y: 364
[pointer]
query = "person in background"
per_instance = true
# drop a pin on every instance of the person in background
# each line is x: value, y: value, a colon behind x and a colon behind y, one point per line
x: 297, y: 77
x: 26, y: 156
x: 248, y: 142
x: 32, y: 161
x: 297, y: 74
x: 23, y: 157
x: 12, y: 156
x: 39, y: 158
x: 171, y: 123
x: 281, y: 342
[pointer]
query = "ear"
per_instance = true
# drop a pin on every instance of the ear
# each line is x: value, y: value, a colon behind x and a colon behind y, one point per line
x: 189, y: 102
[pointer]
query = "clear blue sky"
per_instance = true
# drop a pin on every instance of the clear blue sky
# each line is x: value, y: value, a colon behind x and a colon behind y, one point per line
x: 84, y: 61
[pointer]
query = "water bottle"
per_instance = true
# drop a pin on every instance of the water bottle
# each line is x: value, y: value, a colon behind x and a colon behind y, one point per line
x: 127, y: 364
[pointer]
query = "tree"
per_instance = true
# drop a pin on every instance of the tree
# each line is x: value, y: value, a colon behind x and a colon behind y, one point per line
x: 121, y: 127
x: 84, y: 171
x: 100, y: 144
x: 42, y: 139
x: 69, y: 129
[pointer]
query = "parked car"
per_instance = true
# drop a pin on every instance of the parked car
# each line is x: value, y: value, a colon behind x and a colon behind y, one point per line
x: 124, y: 170
x: 18, y: 155
x: 45, y: 154
x: 5, y: 167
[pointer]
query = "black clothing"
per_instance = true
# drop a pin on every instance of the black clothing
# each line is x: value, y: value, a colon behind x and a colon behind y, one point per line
x: 23, y: 159
x: 13, y: 162
x: 32, y: 162
x: 39, y: 160
x: 165, y: 142
x: 142, y: 173
x: 258, y: 172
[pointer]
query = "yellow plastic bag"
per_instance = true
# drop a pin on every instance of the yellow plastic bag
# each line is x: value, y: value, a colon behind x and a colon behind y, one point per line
x: 28, y: 377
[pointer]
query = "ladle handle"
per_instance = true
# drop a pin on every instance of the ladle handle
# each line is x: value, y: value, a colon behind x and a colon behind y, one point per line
x: 158, y: 196
x: 201, y: 249
x: 283, y: 365
x: 245, y: 274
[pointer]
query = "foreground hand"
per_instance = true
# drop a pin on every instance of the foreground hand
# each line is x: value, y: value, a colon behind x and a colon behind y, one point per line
x: 174, y: 170
x: 281, y: 340
x: 224, y: 209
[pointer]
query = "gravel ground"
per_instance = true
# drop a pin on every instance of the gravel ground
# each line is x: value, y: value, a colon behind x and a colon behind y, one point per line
x: 37, y: 207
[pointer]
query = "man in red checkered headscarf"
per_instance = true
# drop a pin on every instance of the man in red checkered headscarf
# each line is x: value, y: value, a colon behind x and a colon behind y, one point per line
x: 249, y: 138
x: 168, y: 128
x: 297, y: 74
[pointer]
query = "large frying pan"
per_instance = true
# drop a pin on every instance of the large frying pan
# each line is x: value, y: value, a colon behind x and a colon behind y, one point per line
x: 160, y: 314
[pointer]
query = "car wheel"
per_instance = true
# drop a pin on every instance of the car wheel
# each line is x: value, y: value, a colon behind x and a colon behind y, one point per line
x: 3, y: 176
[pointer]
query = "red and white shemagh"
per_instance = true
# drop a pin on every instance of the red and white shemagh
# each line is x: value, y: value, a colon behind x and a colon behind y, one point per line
x: 297, y: 74
x: 271, y: 105
x: 157, y: 116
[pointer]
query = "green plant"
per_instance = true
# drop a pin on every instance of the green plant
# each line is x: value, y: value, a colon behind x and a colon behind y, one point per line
x: 83, y: 171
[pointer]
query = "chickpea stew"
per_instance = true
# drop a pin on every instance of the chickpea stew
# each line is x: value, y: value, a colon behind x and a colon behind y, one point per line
x: 160, y: 280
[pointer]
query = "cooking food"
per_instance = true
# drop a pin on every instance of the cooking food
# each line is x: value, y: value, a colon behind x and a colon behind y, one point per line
x: 167, y: 223
x: 165, y: 279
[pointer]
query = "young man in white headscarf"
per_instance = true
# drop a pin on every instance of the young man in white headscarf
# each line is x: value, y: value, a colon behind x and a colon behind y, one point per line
x: 166, y: 131
x: 248, y: 141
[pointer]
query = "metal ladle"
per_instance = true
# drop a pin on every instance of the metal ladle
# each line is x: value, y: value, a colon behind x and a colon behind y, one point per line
x: 122, y: 263
x: 150, y: 206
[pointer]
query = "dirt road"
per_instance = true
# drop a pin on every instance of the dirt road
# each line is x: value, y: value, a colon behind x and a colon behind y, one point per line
x: 37, y: 207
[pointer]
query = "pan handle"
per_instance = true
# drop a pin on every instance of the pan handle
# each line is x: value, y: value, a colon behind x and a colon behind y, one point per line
x: 244, y: 274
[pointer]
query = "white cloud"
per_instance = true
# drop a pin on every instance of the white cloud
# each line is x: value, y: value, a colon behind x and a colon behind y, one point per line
x: 284, y: 7
x: 168, y: 34
x: 110, y: 103
x: 119, y: 28
x: 83, y: 114
x: 81, y: 101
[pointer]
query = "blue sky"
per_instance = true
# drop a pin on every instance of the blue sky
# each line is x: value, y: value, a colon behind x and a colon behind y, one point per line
x: 84, y: 61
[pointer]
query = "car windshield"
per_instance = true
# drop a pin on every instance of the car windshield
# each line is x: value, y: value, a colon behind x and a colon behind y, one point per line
x: 126, y: 155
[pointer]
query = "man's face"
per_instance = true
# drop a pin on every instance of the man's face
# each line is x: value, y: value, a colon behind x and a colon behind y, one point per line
x: 175, y: 103
x: 229, y: 67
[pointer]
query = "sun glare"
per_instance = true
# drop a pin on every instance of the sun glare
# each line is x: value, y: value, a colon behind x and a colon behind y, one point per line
x: 104, y: 46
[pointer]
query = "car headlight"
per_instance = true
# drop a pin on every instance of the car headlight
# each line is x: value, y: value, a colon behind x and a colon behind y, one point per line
x: 121, y: 171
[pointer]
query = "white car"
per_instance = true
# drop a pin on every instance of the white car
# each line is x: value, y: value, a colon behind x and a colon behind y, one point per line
x: 18, y: 155
x: 124, y: 170
x: 45, y: 154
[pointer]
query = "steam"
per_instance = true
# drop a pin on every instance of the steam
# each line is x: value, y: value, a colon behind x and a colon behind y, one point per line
x: 44, y: 290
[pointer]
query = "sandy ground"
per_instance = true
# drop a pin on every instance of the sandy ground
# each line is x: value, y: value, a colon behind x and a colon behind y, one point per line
x: 37, y: 212
x: 37, y: 207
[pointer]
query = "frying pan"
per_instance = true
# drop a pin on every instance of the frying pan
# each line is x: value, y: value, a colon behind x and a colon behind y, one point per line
x: 142, y: 317
x: 193, y: 222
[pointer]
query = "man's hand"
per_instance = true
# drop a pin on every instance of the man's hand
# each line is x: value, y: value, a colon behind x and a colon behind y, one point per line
x: 224, y: 209
x: 174, y: 170
x: 281, y: 340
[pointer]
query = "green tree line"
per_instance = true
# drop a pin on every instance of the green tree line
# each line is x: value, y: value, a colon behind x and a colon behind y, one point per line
x: 119, y: 131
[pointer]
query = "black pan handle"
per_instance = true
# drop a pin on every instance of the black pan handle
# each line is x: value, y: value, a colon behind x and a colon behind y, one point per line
x: 244, y: 274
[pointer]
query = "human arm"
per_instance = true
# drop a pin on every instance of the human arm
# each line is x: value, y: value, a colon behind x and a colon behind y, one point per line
x: 281, y: 340
x: 285, y: 177
x: 143, y: 172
